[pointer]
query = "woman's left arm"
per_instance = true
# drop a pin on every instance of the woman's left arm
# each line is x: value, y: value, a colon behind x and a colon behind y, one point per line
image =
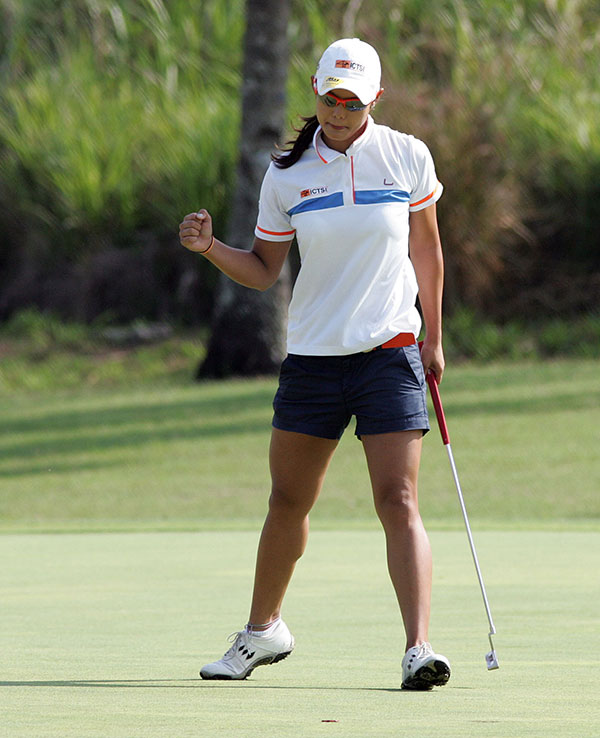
x: 427, y: 259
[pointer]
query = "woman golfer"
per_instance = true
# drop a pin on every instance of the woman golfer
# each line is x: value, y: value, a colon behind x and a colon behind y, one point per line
x: 358, y: 197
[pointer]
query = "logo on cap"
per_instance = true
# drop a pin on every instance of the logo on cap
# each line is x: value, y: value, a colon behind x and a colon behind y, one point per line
x: 347, y: 64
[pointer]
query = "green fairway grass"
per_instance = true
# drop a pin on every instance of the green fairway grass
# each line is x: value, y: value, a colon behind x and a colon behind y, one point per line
x: 103, y: 636
x: 194, y: 456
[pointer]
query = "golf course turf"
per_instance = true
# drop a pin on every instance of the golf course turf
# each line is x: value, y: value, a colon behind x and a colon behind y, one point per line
x: 104, y: 636
x: 130, y: 519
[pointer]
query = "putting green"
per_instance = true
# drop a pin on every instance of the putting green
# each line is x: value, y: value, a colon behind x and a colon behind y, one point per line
x: 104, y: 635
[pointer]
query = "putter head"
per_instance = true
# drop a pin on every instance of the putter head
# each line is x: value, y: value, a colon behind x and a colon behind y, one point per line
x: 492, y: 660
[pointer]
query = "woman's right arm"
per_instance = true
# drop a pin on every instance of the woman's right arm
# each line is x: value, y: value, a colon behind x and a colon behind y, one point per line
x: 258, y: 268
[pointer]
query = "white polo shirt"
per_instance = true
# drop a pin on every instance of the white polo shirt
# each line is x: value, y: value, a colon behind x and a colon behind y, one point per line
x: 356, y: 287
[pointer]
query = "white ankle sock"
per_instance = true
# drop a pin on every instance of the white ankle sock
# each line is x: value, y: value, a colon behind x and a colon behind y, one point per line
x: 262, y: 633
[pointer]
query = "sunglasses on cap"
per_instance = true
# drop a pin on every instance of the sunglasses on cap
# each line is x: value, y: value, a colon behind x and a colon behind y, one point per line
x: 331, y: 100
x: 352, y: 104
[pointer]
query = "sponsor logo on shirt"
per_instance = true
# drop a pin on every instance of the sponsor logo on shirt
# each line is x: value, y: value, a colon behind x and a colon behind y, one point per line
x: 347, y: 64
x: 313, y: 191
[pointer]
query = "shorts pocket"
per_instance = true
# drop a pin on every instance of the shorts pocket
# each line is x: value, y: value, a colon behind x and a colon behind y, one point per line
x: 412, y: 356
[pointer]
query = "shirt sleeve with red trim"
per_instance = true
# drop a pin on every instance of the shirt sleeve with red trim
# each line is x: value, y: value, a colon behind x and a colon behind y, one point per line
x: 273, y: 224
x: 426, y: 189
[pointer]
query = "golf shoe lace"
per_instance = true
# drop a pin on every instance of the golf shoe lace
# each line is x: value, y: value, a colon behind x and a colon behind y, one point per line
x: 233, y: 639
x: 424, y: 650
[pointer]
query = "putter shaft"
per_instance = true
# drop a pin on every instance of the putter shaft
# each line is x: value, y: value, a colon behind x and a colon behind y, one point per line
x: 471, y: 543
x: 491, y: 658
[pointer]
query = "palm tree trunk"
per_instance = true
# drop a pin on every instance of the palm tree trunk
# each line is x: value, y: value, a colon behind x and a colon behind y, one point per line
x: 248, y: 327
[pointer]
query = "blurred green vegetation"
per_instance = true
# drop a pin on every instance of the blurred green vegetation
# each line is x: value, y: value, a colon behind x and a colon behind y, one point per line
x: 117, y: 117
x: 40, y: 352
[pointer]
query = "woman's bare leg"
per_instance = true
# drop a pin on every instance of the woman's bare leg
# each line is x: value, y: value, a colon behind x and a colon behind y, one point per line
x: 393, y: 460
x: 298, y: 464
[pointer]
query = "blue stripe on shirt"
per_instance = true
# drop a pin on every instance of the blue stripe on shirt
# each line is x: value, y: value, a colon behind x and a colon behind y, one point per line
x: 373, y: 197
x: 335, y: 200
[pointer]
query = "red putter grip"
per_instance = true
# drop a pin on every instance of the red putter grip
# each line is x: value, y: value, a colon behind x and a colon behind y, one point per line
x: 437, y: 404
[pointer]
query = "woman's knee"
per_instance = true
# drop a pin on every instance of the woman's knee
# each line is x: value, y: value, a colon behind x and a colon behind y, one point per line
x: 397, y: 503
x: 288, y: 503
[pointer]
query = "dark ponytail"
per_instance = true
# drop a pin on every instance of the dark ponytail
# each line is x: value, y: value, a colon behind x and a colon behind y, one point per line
x: 299, y: 145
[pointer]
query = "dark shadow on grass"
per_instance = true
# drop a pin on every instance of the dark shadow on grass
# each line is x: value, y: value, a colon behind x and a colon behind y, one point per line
x: 197, y: 417
x: 199, y: 408
x: 136, y: 412
x: 124, y: 438
x: 202, y: 419
x: 134, y: 425
x: 182, y: 684
x: 51, y: 467
x: 521, y: 406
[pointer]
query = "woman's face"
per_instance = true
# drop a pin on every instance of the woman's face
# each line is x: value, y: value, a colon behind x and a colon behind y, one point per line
x: 341, y: 126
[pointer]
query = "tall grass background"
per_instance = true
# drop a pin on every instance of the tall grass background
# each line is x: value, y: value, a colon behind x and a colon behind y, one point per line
x: 117, y: 117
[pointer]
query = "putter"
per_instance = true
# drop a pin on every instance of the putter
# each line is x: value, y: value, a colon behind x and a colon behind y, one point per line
x: 491, y: 659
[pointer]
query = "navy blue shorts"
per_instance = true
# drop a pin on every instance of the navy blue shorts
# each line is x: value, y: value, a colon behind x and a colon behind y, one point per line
x: 384, y: 389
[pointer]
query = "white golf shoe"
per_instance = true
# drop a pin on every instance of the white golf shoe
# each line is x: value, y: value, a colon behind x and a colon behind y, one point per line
x: 422, y: 669
x: 249, y: 651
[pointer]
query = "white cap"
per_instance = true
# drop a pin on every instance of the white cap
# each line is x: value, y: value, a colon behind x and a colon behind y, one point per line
x: 350, y: 64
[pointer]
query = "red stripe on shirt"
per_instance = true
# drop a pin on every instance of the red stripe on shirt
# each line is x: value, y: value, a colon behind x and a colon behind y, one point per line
x: 414, y: 204
x: 276, y: 233
x: 318, y: 152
